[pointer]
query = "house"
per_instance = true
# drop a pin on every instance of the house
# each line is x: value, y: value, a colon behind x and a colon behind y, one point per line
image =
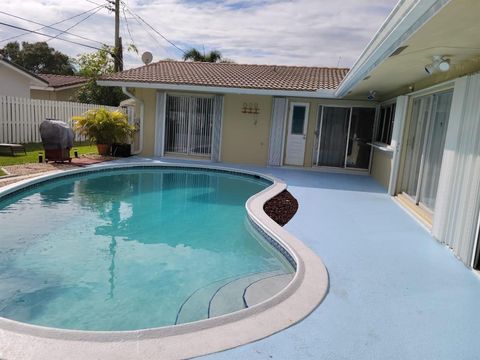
x: 16, y: 81
x: 60, y: 87
x: 407, y: 113
x: 19, y: 82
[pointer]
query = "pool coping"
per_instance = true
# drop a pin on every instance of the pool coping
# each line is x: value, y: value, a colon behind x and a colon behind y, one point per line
x: 297, y: 300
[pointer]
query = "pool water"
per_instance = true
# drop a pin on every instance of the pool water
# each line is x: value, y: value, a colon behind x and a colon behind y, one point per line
x: 129, y: 249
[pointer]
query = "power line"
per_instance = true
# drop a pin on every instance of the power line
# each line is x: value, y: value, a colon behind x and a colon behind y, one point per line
x: 51, y: 26
x: 77, y: 23
x: 128, y: 26
x: 147, y: 30
x: 42, y: 34
x: 155, y: 30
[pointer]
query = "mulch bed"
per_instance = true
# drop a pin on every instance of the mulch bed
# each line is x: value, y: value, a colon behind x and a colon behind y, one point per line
x: 23, y: 171
x: 281, y: 208
x: 85, y: 160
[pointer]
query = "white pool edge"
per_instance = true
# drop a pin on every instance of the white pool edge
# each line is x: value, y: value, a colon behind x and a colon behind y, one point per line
x: 296, y: 301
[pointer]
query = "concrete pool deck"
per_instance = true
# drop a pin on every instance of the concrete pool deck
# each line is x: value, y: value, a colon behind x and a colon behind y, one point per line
x: 395, y: 292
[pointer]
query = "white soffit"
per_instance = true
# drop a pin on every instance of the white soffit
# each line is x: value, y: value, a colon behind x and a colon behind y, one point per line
x: 405, y: 19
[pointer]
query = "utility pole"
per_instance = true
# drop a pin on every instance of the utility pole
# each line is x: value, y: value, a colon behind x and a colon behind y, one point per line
x: 118, y: 58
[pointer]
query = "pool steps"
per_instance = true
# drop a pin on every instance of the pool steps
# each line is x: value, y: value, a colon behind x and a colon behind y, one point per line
x: 231, y: 294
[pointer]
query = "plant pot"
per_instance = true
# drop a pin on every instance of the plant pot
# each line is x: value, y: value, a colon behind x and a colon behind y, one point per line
x: 103, y: 149
x: 121, y: 150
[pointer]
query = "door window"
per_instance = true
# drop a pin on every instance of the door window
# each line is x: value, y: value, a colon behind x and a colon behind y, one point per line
x: 298, y: 120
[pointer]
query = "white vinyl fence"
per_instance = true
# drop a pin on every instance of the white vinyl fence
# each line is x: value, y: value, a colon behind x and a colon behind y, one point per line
x: 20, y: 118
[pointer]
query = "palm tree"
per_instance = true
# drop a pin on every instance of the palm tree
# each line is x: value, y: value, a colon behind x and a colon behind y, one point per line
x: 195, y: 55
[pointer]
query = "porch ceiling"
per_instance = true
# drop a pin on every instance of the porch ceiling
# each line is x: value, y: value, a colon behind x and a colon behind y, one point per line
x: 453, y: 33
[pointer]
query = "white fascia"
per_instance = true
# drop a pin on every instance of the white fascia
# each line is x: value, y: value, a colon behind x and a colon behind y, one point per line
x: 406, y: 19
x: 50, y: 88
x: 324, y: 94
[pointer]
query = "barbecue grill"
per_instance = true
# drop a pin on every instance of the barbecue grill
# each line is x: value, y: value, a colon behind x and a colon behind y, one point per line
x: 57, y: 139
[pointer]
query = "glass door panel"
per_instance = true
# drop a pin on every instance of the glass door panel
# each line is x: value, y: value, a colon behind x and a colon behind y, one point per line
x: 201, y: 122
x: 434, y: 149
x: 359, y: 137
x: 424, y: 148
x: 176, y: 124
x: 333, y: 137
x: 415, y: 144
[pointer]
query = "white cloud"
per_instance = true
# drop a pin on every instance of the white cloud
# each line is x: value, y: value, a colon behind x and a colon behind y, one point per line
x: 302, y: 32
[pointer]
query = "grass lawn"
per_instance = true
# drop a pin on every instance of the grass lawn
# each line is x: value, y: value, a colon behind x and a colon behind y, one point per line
x: 32, y: 154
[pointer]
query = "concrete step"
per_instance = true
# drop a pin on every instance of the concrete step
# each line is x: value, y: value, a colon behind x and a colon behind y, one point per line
x: 229, y: 297
x: 265, y: 288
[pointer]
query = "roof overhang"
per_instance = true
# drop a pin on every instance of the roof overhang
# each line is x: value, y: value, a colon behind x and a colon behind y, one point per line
x: 323, y: 93
x: 404, y: 21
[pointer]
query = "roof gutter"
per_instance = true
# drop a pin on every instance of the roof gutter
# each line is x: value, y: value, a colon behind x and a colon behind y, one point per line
x: 142, y: 112
x: 58, y: 88
x: 322, y: 93
x: 404, y: 21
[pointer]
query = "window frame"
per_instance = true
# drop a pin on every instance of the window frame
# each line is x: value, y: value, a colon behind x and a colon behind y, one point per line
x: 384, y: 126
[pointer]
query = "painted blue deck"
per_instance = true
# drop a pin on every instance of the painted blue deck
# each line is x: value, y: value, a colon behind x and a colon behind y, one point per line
x: 395, y: 292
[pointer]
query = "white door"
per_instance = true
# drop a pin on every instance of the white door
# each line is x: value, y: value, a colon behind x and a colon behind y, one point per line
x: 297, y: 134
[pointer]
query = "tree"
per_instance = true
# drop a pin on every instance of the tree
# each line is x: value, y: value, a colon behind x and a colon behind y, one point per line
x: 93, y: 66
x: 38, y: 57
x: 195, y: 55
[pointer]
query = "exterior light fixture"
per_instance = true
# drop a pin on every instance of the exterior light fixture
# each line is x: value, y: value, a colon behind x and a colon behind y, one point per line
x: 439, y: 63
x: 372, y: 95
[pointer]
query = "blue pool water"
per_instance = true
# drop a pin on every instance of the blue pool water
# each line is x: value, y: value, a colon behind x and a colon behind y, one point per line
x: 129, y: 249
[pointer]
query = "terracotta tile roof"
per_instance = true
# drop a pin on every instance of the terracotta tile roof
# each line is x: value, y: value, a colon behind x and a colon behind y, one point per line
x: 271, y: 77
x: 57, y: 81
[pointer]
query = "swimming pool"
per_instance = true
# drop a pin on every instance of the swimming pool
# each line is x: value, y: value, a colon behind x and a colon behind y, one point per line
x: 134, y: 249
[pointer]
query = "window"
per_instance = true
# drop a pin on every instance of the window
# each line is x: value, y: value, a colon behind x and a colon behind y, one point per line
x: 385, y: 124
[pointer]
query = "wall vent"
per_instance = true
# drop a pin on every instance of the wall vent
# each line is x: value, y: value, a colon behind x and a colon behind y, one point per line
x: 398, y: 51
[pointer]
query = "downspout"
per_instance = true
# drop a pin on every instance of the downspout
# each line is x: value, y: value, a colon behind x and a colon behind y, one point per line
x: 142, y: 110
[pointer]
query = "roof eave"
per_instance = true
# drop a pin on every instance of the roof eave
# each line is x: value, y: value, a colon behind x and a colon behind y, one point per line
x: 406, y: 18
x: 321, y: 93
x: 58, y: 88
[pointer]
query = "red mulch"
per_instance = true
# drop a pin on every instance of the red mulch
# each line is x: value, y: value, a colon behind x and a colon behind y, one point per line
x: 281, y: 208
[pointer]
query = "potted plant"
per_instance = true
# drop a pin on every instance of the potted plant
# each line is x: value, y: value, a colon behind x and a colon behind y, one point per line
x: 104, y: 127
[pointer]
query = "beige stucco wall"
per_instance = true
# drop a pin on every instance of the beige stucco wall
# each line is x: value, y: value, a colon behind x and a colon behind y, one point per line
x: 245, y: 136
x: 58, y: 95
x: 148, y: 96
x: 13, y: 83
x: 381, y: 166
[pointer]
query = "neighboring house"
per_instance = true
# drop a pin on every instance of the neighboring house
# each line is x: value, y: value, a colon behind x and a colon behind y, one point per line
x: 60, y: 87
x: 16, y: 81
x: 408, y: 113
x: 19, y: 82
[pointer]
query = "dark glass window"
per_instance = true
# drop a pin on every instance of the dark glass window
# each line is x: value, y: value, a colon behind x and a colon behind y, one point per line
x: 298, y: 119
x: 385, y: 124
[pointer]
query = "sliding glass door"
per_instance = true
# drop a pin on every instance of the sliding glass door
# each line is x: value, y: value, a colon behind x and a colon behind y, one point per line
x: 424, y: 148
x: 188, y: 125
x: 333, y: 136
x: 360, y: 136
x: 344, y: 136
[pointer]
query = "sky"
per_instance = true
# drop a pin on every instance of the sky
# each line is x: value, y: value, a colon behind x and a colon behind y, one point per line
x: 282, y: 32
